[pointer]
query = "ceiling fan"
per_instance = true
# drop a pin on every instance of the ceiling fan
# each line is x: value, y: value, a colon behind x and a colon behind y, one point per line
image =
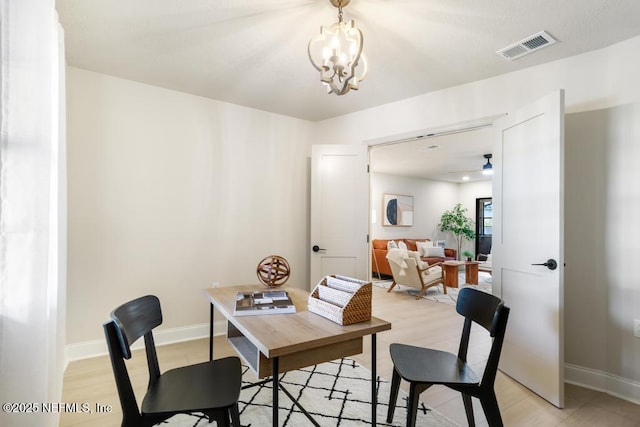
x: 487, y: 168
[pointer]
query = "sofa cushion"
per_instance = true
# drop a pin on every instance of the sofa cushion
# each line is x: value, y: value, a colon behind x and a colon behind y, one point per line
x: 380, y: 243
x: 422, y: 247
x: 391, y: 244
x: 380, y: 264
x: 411, y: 243
x: 402, y: 245
x: 434, y: 251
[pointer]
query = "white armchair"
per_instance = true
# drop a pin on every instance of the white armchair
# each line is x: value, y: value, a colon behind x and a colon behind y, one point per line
x: 485, y: 262
x: 409, y: 270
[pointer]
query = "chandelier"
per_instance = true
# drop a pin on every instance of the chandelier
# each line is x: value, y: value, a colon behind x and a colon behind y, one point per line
x: 337, y: 53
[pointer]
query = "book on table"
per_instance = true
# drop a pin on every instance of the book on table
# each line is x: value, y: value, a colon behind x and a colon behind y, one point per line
x: 267, y: 302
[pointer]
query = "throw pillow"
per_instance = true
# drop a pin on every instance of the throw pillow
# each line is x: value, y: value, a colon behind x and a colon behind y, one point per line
x: 416, y: 256
x: 391, y: 244
x: 435, y: 251
x: 402, y: 245
x: 422, y: 247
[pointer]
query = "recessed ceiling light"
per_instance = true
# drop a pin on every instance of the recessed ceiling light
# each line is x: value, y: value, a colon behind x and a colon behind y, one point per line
x: 429, y: 147
x: 465, y: 178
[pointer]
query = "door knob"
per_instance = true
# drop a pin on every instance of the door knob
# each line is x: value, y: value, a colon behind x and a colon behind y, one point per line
x: 317, y: 248
x: 551, y: 264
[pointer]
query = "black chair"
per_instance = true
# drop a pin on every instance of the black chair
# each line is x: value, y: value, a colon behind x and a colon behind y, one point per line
x: 212, y: 388
x: 424, y: 367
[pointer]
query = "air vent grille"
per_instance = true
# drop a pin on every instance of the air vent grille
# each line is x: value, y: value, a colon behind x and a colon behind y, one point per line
x: 527, y: 46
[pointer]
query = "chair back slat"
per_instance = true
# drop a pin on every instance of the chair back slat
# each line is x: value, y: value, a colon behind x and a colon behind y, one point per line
x: 135, y: 319
x: 489, y: 312
x: 130, y: 412
x: 481, y: 307
x: 491, y: 368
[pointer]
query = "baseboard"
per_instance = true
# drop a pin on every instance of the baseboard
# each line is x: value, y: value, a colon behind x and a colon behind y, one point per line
x: 87, y: 349
x: 605, y: 382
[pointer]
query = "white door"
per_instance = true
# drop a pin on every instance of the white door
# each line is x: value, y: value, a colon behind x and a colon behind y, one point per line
x: 339, y: 211
x: 528, y: 229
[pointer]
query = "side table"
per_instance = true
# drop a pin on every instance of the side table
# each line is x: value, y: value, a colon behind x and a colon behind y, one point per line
x: 450, y: 269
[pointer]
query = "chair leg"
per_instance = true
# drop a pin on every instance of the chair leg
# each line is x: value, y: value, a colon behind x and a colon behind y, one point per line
x: 392, y: 286
x: 491, y: 409
x: 393, y: 395
x: 468, y: 409
x: 235, y: 415
x: 412, y: 406
x: 222, y: 419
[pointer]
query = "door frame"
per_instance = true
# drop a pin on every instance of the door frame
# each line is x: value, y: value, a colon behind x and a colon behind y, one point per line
x: 433, y: 132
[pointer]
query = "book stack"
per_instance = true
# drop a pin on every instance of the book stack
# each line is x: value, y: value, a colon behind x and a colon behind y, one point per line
x: 259, y: 303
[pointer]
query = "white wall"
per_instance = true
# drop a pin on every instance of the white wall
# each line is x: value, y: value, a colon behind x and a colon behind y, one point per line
x: 601, y: 79
x: 594, y: 80
x: 603, y: 229
x: 468, y: 192
x: 109, y: 118
x: 430, y: 199
x: 169, y: 192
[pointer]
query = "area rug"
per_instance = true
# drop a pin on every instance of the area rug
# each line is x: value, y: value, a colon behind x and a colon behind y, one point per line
x: 336, y: 393
x: 436, y: 294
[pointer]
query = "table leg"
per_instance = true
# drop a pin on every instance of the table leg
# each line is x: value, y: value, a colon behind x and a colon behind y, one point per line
x: 276, y: 389
x: 374, y: 378
x: 210, y: 332
x: 450, y: 275
x: 471, y: 274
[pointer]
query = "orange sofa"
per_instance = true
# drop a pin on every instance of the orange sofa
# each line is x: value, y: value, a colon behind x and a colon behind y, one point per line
x: 380, y: 264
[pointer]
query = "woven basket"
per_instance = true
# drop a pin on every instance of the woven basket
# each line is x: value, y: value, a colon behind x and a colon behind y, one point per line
x: 349, y: 300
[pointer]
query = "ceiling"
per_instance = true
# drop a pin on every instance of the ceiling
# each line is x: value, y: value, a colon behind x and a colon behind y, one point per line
x: 447, y: 158
x: 254, y: 52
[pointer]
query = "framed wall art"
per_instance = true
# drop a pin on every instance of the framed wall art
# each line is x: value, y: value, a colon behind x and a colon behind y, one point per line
x: 397, y: 210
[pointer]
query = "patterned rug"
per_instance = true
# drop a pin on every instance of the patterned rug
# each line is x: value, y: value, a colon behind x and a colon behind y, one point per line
x: 336, y: 393
x: 436, y: 294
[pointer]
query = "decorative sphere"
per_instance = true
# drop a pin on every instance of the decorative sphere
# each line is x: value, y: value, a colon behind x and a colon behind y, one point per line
x: 273, y: 271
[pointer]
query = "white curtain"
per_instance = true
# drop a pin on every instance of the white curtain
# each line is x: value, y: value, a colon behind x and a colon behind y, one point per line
x: 32, y: 209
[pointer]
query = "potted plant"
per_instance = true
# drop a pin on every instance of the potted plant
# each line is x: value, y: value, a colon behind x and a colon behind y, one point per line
x: 468, y: 254
x: 457, y: 222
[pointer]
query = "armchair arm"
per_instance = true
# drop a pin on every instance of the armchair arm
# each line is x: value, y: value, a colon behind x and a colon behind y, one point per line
x: 482, y: 257
x: 449, y: 252
x: 429, y: 266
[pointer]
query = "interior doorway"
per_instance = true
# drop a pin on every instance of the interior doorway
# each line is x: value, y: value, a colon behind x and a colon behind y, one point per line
x: 484, y: 225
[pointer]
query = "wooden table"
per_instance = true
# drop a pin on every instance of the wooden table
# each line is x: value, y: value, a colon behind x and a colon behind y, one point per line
x: 450, y: 269
x: 276, y: 343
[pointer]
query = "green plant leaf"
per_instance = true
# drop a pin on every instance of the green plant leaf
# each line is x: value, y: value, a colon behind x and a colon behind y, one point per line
x: 457, y: 222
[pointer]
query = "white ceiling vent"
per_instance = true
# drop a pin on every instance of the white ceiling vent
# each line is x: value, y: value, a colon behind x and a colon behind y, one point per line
x: 527, y: 46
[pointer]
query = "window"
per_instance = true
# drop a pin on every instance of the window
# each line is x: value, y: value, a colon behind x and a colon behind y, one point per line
x: 484, y: 225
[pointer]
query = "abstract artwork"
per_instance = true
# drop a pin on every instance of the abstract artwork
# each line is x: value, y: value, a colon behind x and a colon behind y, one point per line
x: 397, y: 210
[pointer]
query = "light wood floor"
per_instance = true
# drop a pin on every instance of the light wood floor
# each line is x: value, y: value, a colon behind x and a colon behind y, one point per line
x: 422, y: 322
